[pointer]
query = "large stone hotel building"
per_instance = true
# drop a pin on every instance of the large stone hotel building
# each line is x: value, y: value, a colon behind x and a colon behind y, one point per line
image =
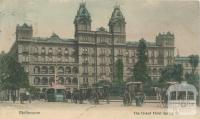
x: 90, y: 56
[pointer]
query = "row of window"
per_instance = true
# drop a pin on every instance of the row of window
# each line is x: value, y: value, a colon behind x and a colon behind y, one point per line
x: 103, y: 51
x: 25, y: 58
x: 151, y: 71
x: 51, y: 70
x: 51, y: 59
x: 51, y: 81
x: 49, y: 51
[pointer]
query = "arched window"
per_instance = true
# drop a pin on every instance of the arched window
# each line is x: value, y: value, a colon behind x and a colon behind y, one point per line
x: 36, y: 70
x: 75, y: 81
x: 51, y: 70
x: 43, y: 50
x: 68, y: 81
x: 68, y: 70
x: 61, y: 70
x: 51, y: 80
x: 61, y: 80
x: 44, y: 81
x: 59, y: 51
x: 35, y: 50
x: 75, y: 70
x: 44, y: 70
x: 66, y: 52
x: 36, y: 81
x: 50, y: 51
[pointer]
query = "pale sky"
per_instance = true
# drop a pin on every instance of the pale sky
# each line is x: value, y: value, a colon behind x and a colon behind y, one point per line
x: 145, y: 19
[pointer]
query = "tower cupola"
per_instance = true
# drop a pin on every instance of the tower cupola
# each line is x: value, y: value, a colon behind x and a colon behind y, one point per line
x: 82, y: 20
x: 117, y: 21
x: 24, y: 32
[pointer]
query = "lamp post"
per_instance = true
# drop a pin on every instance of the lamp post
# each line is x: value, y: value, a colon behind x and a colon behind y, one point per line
x: 199, y: 89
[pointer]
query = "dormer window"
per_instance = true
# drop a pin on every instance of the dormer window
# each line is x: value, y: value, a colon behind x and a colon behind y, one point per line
x: 35, y: 50
x: 127, y: 53
x: 25, y: 49
x: 43, y: 50
x: 50, y: 52
x: 59, y: 51
x: 66, y: 51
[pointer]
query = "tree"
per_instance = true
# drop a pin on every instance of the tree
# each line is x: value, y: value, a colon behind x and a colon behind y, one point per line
x: 172, y: 73
x: 194, y: 61
x: 12, y: 74
x: 193, y: 78
x: 119, y: 71
x: 118, y: 81
x: 140, y: 71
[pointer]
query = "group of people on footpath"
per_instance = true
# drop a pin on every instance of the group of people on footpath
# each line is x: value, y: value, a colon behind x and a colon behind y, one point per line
x: 22, y: 97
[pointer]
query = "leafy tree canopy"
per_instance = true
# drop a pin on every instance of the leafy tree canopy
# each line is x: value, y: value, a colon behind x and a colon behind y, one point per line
x: 194, y: 61
x: 140, y: 71
x: 172, y: 73
x: 119, y: 72
x: 12, y: 74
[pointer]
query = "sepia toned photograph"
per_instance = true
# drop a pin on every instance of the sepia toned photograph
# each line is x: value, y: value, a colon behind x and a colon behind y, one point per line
x: 99, y: 59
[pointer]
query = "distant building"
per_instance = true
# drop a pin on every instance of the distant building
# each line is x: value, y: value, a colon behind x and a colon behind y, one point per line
x: 90, y: 56
x: 184, y: 61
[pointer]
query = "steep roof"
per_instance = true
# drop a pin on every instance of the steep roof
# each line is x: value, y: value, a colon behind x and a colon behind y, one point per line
x: 82, y: 14
x: 116, y: 16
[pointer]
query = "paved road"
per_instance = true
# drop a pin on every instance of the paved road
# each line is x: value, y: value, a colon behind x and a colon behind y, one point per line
x: 114, y: 110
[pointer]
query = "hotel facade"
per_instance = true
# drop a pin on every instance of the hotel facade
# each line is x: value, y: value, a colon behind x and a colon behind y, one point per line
x: 90, y: 57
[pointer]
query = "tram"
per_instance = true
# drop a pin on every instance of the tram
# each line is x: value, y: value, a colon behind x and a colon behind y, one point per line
x: 182, y: 98
x: 55, y: 94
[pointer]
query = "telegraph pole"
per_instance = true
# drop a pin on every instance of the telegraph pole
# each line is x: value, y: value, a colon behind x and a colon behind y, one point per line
x: 199, y: 89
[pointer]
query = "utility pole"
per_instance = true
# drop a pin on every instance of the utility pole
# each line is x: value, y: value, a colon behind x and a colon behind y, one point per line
x: 113, y: 55
x: 199, y: 89
x: 96, y: 63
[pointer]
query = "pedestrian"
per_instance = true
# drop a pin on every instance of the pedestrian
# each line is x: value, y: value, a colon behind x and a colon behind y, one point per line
x: 13, y: 98
x: 21, y: 98
x: 29, y: 96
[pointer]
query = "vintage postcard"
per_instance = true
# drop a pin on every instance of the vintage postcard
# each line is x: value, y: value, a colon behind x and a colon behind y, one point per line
x: 99, y: 59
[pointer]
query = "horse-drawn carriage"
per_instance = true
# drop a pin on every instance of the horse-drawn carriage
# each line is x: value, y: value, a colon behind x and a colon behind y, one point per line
x: 133, y: 90
x: 100, y: 93
x: 104, y: 93
x: 92, y: 94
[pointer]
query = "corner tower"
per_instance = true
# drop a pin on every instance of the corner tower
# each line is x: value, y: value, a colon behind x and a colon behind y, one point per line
x: 166, y: 43
x: 82, y: 21
x: 117, y: 25
x: 24, y: 32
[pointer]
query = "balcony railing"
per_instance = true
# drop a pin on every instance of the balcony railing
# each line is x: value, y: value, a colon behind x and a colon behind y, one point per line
x: 25, y: 51
x: 102, y: 55
x: 84, y: 74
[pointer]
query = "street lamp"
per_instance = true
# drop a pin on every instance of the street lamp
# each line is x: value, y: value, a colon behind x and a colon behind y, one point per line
x: 199, y: 88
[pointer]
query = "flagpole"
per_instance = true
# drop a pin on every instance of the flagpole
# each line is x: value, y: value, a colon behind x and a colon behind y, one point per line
x: 55, y: 72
